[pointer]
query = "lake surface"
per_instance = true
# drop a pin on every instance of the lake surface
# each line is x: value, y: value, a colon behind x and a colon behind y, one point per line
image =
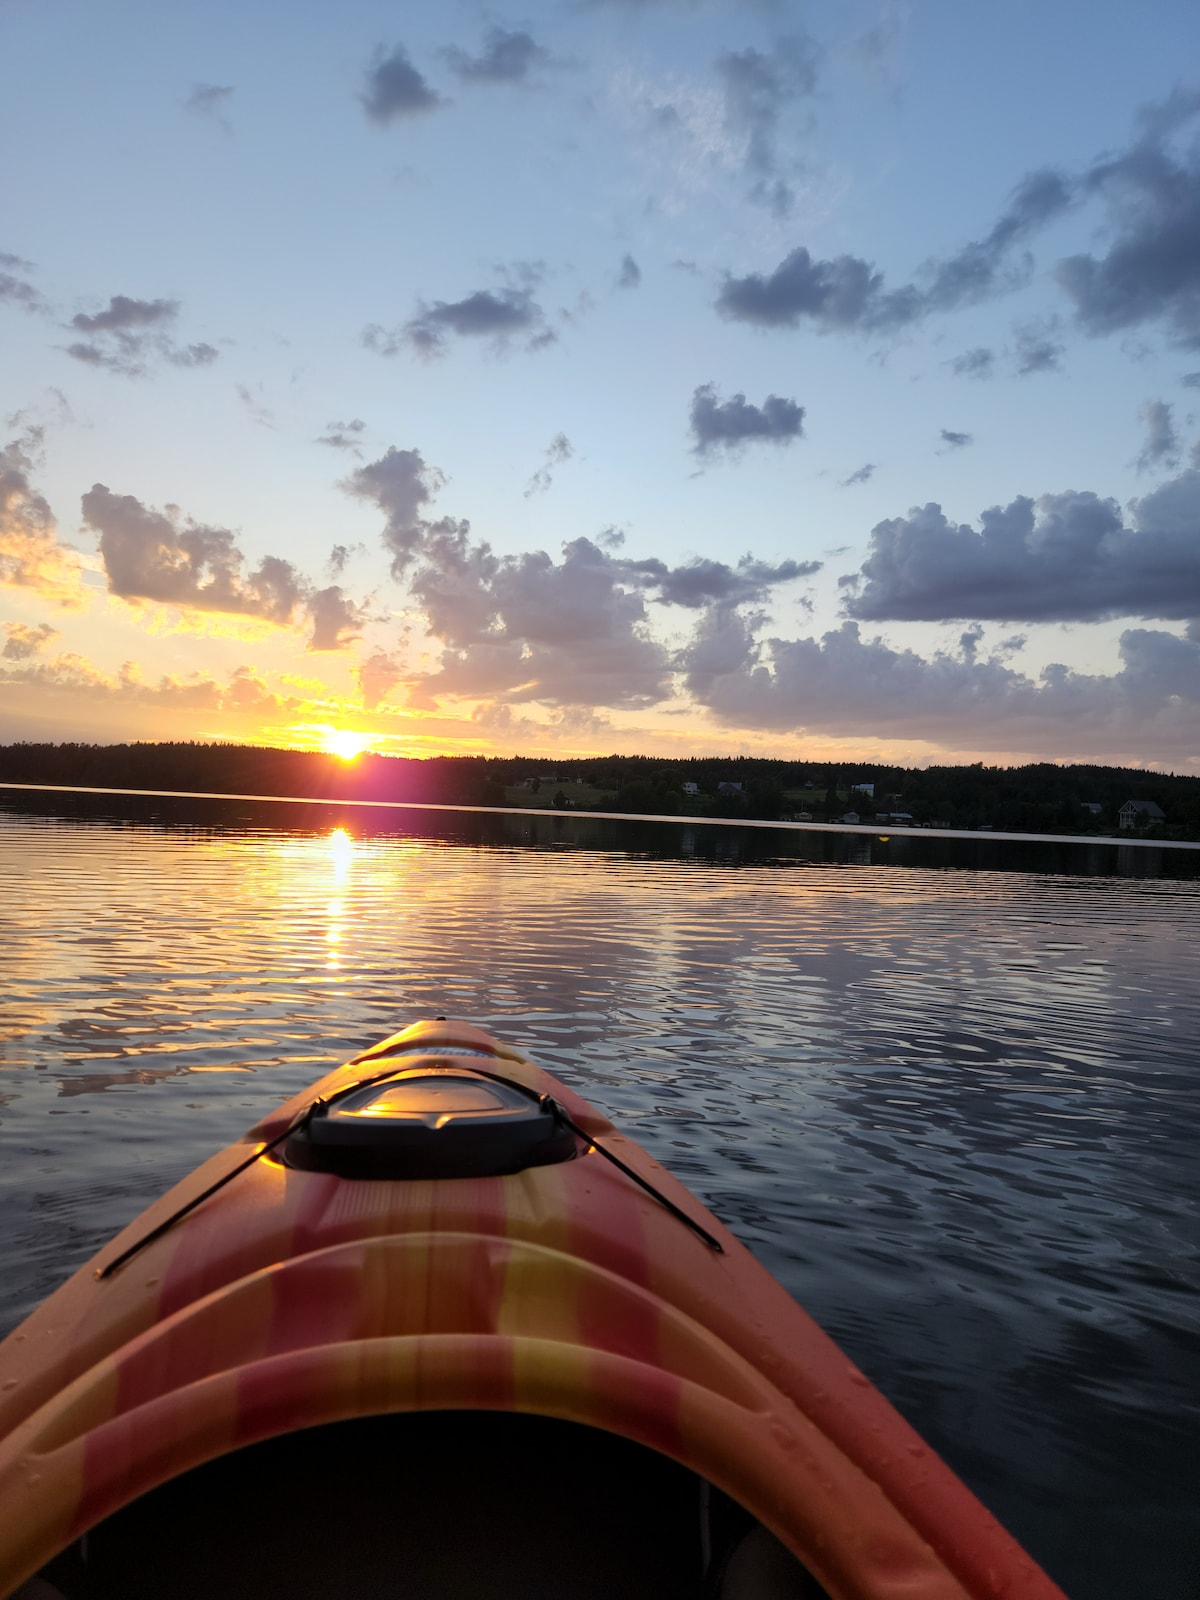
x: 951, y: 1099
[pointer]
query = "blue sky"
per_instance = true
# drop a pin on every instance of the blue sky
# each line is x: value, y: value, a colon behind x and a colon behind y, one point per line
x: 813, y: 380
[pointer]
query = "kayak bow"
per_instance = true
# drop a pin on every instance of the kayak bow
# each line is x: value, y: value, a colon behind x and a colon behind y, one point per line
x: 414, y: 1330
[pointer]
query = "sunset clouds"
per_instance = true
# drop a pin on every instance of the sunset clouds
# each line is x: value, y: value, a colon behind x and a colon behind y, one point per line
x: 624, y: 377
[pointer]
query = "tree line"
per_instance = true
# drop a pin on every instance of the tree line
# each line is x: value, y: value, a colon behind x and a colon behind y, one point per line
x: 1039, y: 798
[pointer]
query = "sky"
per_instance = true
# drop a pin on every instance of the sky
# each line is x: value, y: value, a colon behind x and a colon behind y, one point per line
x: 815, y: 380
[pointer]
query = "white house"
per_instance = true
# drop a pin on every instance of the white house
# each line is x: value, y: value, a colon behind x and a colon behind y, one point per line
x: 1140, y: 814
x: 690, y: 788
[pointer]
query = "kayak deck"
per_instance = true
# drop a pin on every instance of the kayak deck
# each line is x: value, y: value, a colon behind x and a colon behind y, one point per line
x: 293, y: 1300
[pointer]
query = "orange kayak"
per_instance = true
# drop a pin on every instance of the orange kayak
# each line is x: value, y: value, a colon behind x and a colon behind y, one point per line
x: 434, y: 1328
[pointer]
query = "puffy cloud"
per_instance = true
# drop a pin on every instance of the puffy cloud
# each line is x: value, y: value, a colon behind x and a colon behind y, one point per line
x: 1151, y: 270
x: 31, y: 556
x: 157, y: 555
x: 18, y: 291
x: 956, y: 441
x: 400, y: 483
x: 558, y: 451
x: 394, y: 88
x: 496, y: 314
x: 24, y: 641
x: 757, y: 89
x: 1064, y: 557
x: 507, y: 57
x: 127, y: 333
x: 631, y: 273
x: 863, y: 475
x: 836, y: 295
x: 846, y: 685
x: 1162, y: 445
x: 730, y: 423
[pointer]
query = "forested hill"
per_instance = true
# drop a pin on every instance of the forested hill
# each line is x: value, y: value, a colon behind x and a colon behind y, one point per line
x: 1042, y: 798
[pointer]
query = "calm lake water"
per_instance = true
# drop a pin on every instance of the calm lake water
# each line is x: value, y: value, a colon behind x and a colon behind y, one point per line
x: 950, y: 1097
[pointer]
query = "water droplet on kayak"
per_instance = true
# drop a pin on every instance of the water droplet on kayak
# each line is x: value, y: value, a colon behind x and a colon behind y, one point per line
x: 11, y: 1383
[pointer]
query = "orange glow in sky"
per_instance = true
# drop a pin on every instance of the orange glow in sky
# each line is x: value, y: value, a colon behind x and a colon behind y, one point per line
x: 345, y: 743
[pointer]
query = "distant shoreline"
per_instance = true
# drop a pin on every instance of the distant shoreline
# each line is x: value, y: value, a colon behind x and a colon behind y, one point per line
x: 878, y: 830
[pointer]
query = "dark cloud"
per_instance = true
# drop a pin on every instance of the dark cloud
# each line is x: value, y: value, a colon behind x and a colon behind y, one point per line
x: 956, y: 441
x: 980, y: 269
x: 631, y: 274
x: 31, y: 556
x: 507, y: 57
x: 1162, y: 444
x: 211, y: 100
x: 341, y: 555
x: 1036, y: 349
x: 1063, y: 558
x: 728, y: 424
x: 24, y: 641
x: 18, y: 291
x: 344, y: 435
x: 1151, y: 270
x: 496, y: 314
x: 977, y: 363
x: 705, y: 582
x: 156, y: 555
x: 394, y: 88
x: 400, y: 484
x: 1191, y: 380
x: 123, y: 313
x: 846, y: 685
x: 129, y: 333
x: 837, y: 295
x: 861, y: 476
x: 557, y: 451
x: 757, y: 89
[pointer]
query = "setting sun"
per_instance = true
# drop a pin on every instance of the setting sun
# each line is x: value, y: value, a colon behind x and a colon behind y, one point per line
x: 345, y: 743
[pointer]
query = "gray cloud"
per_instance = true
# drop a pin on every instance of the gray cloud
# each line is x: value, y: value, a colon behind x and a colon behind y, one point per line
x: 757, y: 89
x: 507, y: 57
x: 128, y: 333
x: 156, y: 555
x: 956, y: 441
x: 980, y: 269
x: 400, y: 483
x: 211, y: 100
x: 731, y: 423
x: 1162, y: 445
x: 394, y: 88
x: 840, y: 294
x: 631, y: 273
x: 704, y: 582
x: 557, y: 451
x: 341, y: 555
x: 24, y: 641
x: 1151, y: 271
x: 496, y: 314
x: 18, y: 291
x: 1191, y: 380
x: 525, y: 627
x: 1036, y: 349
x: 1062, y: 558
x: 977, y: 363
x: 344, y: 435
x: 846, y: 685
x: 863, y: 475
